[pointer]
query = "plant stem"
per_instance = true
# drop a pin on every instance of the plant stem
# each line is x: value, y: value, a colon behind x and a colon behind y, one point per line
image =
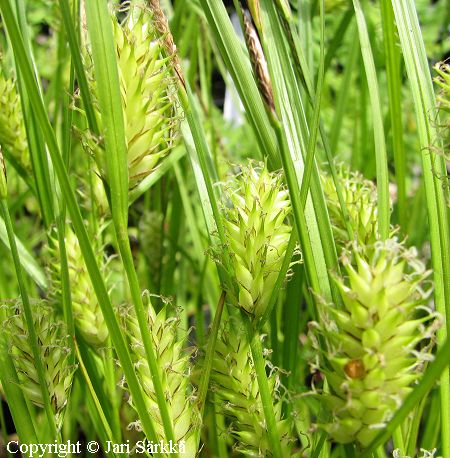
x: 3, y: 431
x: 398, y: 440
x: 202, y: 392
x: 204, y: 384
x: 127, y: 259
x: 66, y: 296
x: 90, y: 388
x: 264, y: 390
x: 32, y: 336
x: 110, y: 378
x: 18, y: 407
x: 434, y: 170
x: 380, y: 146
x: 395, y: 106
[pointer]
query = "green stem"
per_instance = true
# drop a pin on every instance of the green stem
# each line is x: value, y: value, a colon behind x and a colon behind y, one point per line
x: 292, y: 134
x: 238, y: 65
x: 32, y: 336
x: 299, y: 216
x: 414, y: 427
x: 434, y: 171
x: 293, y: 321
x: 78, y: 65
x: 204, y: 384
x: 303, y: 75
x: 36, y: 146
x: 110, y: 378
x: 203, y: 390
x: 66, y: 296
x: 349, y: 450
x: 3, y: 431
x: 399, y: 443
x: 264, y: 390
x: 395, y: 107
x: 17, y: 404
x: 315, y: 119
x: 127, y: 259
x: 380, y: 146
x: 90, y: 388
x: 379, y: 453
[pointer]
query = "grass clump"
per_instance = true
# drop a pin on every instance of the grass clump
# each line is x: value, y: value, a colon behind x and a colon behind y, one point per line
x: 144, y: 210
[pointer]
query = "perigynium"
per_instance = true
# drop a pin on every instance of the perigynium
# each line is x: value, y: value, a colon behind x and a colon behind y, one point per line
x: 377, y: 345
x: 53, y: 348
x: 146, y: 86
x: 175, y: 368
x: 255, y: 220
x: 13, y: 138
x: 237, y: 397
x: 86, y: 309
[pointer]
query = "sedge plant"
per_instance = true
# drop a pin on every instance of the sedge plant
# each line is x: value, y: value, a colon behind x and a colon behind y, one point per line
x: 225, y: 225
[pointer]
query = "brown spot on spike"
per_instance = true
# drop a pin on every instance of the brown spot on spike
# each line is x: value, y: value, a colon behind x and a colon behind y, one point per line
x: 355, y: 369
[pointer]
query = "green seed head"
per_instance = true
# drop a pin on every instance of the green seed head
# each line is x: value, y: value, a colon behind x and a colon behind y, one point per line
x: 86, y: 309
x: 13, y: 137
x: 146, y: 85
x: 236, y: 392
x: 54, y: 351
x: 173, y: 362
x: 360, y: 198
x: 377, y: 343
x: 257, y: 235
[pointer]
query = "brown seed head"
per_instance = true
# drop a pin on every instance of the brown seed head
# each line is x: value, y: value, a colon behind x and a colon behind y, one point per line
x: 162, y: 26
x: 258, y: 61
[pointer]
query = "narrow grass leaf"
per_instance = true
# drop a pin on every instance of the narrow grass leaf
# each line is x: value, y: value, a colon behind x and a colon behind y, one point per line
x: 433, y: 166
x: 378, y: 129
x: 27, y: 260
